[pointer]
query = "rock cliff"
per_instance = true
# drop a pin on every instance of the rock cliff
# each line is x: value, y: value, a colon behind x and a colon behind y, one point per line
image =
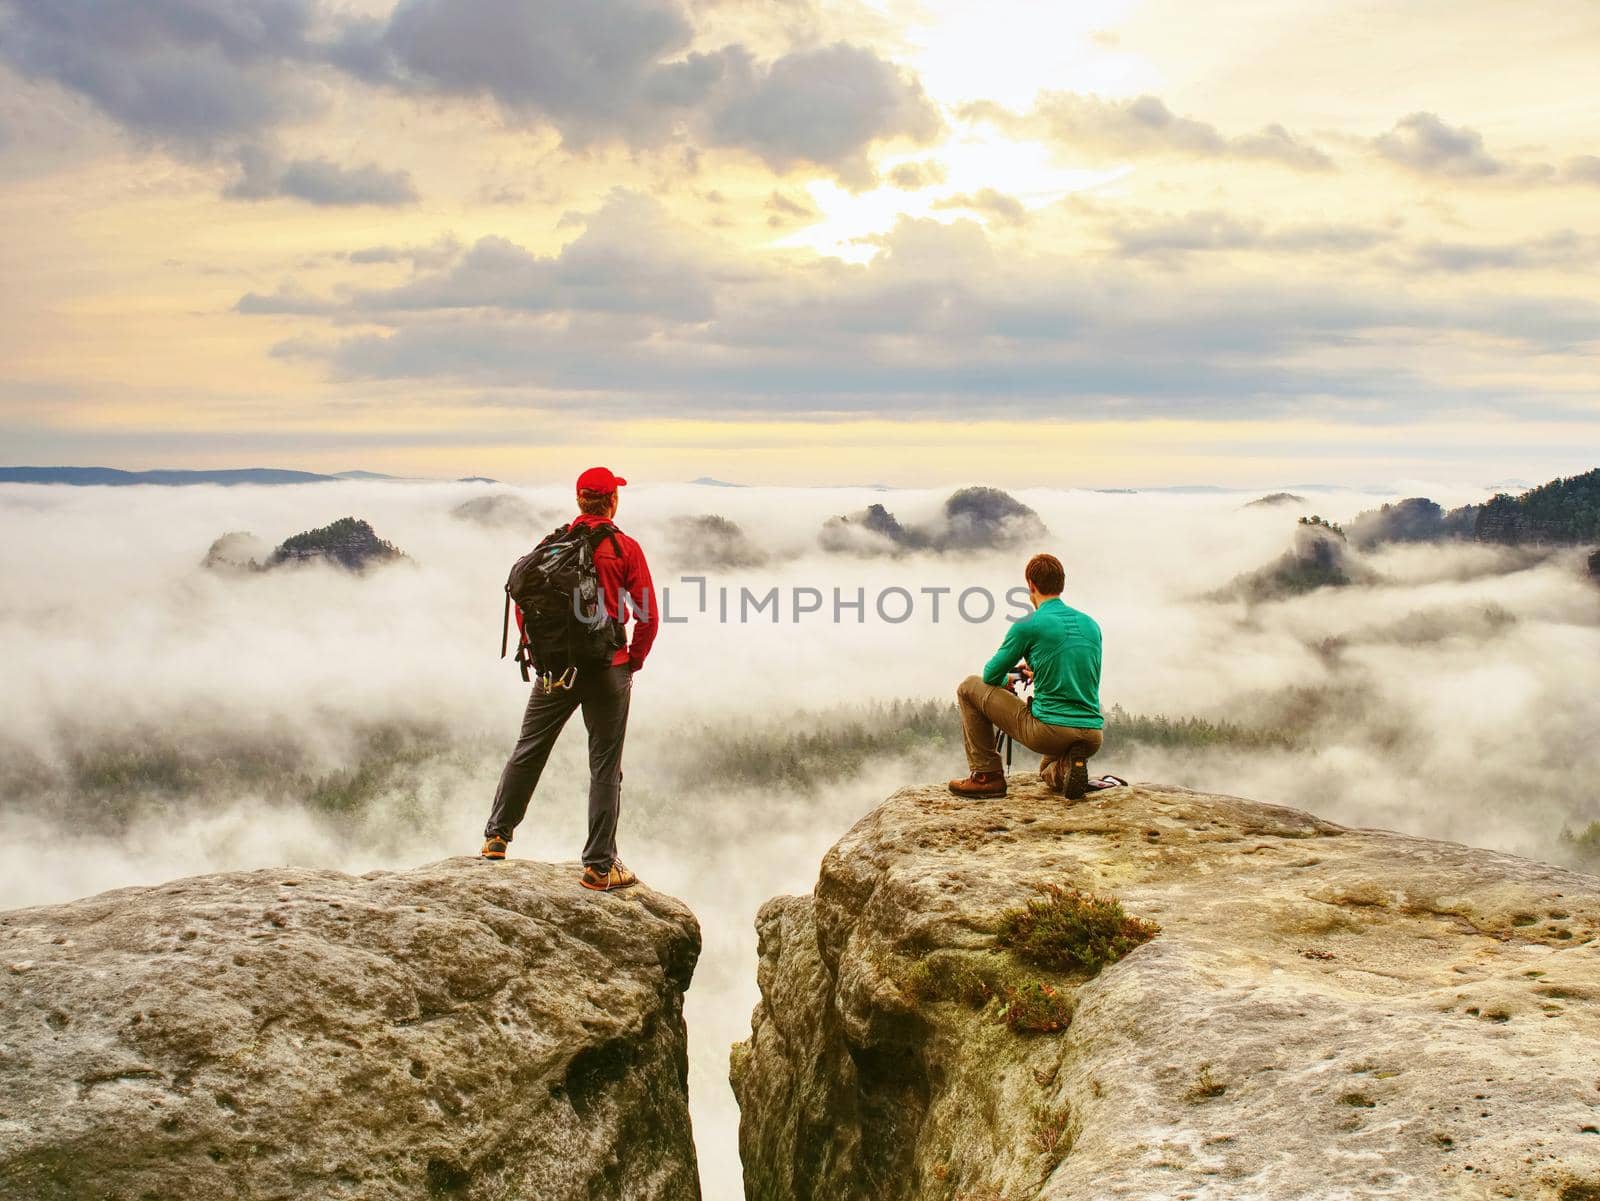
x: 1324, y: 1013
x: 463, y: 1030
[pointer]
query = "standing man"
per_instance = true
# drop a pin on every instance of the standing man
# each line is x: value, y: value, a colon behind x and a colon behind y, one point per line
x: 1060, y: 648
x: 601, y: 691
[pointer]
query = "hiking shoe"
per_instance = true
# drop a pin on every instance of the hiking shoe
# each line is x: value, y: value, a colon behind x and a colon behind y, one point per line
x: 494, y: 847
x: 609, y: 880
x: 980, y: 784
x: 1078, y: 779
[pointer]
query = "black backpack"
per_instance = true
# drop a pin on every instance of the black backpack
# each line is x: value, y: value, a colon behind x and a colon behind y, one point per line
x: 565, y: 625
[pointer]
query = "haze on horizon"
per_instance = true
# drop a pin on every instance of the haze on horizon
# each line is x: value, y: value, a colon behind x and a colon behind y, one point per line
x: 840, y: 242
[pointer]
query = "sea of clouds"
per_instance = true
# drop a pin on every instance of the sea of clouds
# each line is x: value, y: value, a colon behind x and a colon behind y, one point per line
x: 160, y: 720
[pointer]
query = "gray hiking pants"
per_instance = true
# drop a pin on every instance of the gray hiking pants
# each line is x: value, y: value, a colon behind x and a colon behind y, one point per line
x: 603, y: 694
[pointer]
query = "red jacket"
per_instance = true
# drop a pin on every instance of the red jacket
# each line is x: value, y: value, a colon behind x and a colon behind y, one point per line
x: 629, y: 572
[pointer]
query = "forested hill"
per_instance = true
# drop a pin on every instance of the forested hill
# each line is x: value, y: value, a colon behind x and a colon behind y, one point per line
x: 1564, y: 510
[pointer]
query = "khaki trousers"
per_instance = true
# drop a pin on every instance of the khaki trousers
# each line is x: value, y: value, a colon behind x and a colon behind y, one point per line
x: 985, y: 707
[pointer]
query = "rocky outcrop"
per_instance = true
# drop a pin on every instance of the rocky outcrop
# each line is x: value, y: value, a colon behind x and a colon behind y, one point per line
x: 1276, y: 500
x: 236, y: 552
x: 1415, y: 519
x: 463, y: 1030
x: 1324, y: 1013
x: 712, y: 542
x: 349, y: 543
x: 973, y: 519
x: 873, y: 531
x: 984, y: 518
x: 1319, y: 557
x: 502, y: 510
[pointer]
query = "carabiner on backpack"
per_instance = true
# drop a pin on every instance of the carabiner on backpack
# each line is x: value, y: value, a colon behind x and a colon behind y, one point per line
x: 551, y: 682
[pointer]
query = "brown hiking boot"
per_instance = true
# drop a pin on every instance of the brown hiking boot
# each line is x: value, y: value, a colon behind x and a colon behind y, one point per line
x: 1077, y: 779
x: 981, y: 784
x: 494, y: 847
x: 610, y: 880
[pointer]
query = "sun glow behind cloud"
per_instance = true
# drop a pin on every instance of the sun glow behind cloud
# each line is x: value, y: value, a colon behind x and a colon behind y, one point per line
x: 852, y: 224
x: 1007, y: 51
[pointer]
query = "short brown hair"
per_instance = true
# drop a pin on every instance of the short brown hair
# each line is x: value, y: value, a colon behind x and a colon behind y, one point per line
x: 1046, y: 575
x: 597, y: 503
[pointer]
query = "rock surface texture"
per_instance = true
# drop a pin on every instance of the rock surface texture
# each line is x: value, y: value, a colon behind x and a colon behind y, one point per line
x: 1326, y: 1013
x: 463, y: 1030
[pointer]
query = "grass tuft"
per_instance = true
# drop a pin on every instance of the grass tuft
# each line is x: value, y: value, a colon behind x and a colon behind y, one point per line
x: 1206, y: 1086
x: 1026, y: 1004
x: 1071, y: 931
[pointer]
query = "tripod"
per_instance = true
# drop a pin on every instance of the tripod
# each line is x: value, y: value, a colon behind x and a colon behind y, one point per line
x: 1022, y: 687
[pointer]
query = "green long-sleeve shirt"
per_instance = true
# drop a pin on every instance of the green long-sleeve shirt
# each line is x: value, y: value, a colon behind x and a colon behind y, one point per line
x: 1062, y: 646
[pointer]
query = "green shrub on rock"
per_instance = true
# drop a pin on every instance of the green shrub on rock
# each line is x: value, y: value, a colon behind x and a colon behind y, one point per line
x: 1071, y: 931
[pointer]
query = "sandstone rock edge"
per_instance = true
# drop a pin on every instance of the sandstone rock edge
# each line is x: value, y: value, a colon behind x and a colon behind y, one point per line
x: 1328, y: 1013
x: 462, y: 1030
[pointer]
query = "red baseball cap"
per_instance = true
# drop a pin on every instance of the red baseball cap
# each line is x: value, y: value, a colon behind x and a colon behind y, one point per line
x: 599, y: 479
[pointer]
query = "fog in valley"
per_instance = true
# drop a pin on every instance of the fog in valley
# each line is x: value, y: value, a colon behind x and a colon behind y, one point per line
x: 162, y: 719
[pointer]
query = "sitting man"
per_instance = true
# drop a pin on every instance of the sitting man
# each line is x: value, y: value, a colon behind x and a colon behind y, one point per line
x: 1061, y: 647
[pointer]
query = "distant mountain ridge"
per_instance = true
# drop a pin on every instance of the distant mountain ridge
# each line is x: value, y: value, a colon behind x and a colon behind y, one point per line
x: 114, y: 476
x: 82, y: 476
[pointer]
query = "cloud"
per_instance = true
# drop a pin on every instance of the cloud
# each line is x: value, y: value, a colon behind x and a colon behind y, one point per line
x: 942, y: 320
x: 785, y: 210
x: 191, y: 75
x: 1140, y: 127
x: 1007, y: 210
x: 289, y: 300
x: 1583, y: 168
x: 911, y: 177
x: 622, y: 70
x: 1565, y: 249
x: 1427, y: 145
x: 1211, y: 230
x: 441, y: 252
x: 319, y: 181
x: 1423, y: 143
x: 593, y: 70
x: 202, y: 78
x: 205, y: 80
x: 629, y: 259
x: 822, y: 106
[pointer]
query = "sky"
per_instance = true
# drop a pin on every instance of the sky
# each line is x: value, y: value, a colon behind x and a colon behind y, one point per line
x: 1122, y: 243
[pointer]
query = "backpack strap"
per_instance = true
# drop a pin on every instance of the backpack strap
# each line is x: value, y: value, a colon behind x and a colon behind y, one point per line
x: 624, y: 599
x: 603, y: 531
